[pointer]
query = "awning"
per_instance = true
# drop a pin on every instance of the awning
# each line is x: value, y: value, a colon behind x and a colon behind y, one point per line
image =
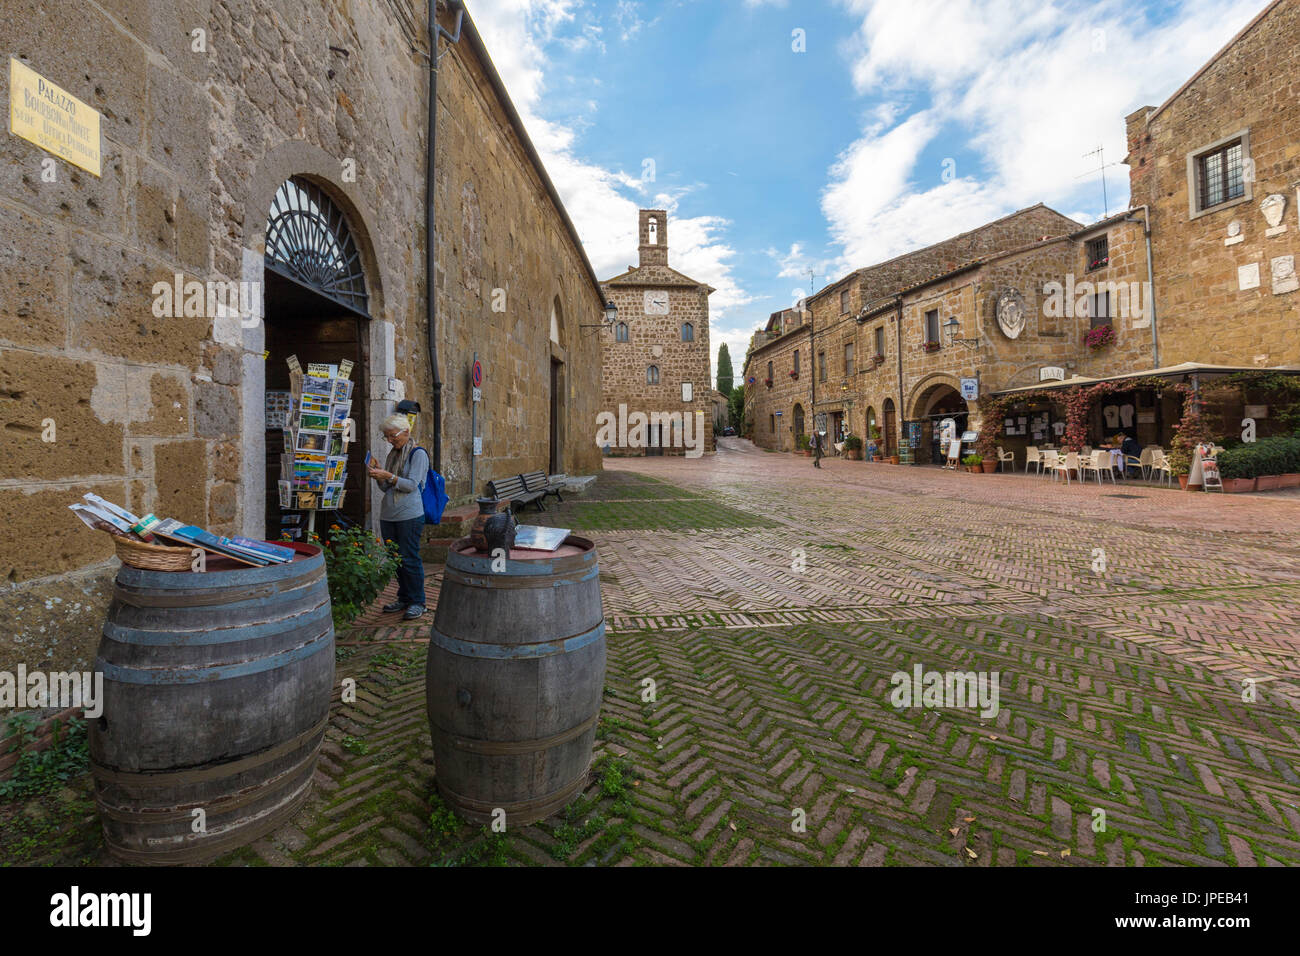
x: 1169, y: 371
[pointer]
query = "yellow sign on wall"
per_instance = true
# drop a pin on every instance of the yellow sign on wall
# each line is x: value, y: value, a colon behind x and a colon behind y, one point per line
x: 52, y: 118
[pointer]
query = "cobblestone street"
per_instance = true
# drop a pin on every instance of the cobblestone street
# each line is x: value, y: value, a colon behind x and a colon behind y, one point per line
x: 1120, y: 691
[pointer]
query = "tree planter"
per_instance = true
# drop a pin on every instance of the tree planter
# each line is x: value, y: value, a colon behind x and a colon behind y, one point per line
x: 989, y: 465
x: 893, y: 459
x: 854, y: 455
x: 1182, y: 483
x: 1268, y: 482
x: 1290, y: 481
x: 1238, y: 486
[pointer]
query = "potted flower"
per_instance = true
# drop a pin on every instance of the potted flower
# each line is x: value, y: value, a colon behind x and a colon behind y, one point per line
x: 804, y: 445
x: 989, y: 465
x: 1100, y: 337
x: 930, y: 346
x: 974, y: 463
x: 767, y: 382
x: 878, y: 360
x: 853, y: 447
x: 794, y: 373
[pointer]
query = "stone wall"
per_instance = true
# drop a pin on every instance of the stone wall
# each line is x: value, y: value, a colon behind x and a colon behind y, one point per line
x: 835, y: 320
x: 657, y: 340
x: 165, y: 415
x: 1250, y: 88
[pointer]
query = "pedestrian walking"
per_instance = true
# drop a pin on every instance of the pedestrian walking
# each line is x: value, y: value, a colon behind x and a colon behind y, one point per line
x: 817, y: 450
x: 401, y: 516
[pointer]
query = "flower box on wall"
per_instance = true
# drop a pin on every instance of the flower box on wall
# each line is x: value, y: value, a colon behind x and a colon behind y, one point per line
x: 930, y: 346
x: 1100, y: 337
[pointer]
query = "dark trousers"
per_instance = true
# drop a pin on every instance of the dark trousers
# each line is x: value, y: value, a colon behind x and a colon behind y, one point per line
x: 410, y: 576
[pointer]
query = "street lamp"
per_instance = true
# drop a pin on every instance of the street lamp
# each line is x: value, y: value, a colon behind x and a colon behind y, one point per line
x: 951, y: 327
x: 611, y: 316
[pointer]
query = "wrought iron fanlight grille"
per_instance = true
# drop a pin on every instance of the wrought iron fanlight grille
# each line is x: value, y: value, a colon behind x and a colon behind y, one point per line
x: 308, y: 240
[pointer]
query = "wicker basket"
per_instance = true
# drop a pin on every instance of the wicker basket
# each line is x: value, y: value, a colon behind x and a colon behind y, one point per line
x: 152, y: 557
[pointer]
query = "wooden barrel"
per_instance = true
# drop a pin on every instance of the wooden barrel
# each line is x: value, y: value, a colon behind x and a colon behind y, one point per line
x: 515, y: 674
x: 217, y: 689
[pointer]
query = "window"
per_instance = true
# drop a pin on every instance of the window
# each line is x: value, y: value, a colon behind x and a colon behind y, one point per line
x: 620, y: 332
x: 771, y: 424
x: 1097, y: 252
x: 1099, y: 309
x: 688, y: 332
x: 796, y: 361
x: 769, y: 371
x: 932, y: 327
x: 848, y: 359
x: 652, y: 375
x: 821, y: 366
x: 844, y: 301
x: 880, y: 340
x: 1219, y: 174
x: 652, y: 232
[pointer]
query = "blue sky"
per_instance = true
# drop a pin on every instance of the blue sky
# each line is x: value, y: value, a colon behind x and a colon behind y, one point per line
x: 900, y: 123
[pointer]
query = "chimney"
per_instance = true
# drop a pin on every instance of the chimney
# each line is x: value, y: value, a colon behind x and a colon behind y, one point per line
x: 654, y: 237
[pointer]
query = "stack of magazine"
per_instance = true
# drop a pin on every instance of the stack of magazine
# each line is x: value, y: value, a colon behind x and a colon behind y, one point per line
x: 316, y: 422
x: 105, y: 516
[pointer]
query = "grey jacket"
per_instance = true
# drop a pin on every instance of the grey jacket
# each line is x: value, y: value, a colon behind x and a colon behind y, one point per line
x: 402, y: 496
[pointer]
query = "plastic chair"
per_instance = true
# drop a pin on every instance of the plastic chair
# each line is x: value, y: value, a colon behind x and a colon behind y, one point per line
x: 1066, y: 465
x: 1049, y: 461
x: 1006, y: 458
x: 1160, y: 467
x: 1143, y: 462
x: 1032, y: 457
x: 1099, y: 462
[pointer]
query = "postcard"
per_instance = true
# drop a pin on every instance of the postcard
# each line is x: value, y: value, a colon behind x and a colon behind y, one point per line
x: 342, y: 391
x: 320, y: 387
x: 317, y: 441
x: 286, y: 494
x: 340, y: 414
x: 311, y: 421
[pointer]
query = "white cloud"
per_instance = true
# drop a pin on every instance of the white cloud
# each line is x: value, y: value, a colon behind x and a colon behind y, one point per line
x: 1022, y: 88
x: 603, y: 203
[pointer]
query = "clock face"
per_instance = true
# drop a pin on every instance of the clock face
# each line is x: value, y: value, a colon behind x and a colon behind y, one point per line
x: 656, y: 302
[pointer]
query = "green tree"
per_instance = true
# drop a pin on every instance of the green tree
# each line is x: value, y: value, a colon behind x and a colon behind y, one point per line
x: 725, y: 373
x: 736, y: 408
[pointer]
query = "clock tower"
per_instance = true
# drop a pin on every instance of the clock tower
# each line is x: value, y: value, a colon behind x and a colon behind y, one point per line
x: 657, y: 359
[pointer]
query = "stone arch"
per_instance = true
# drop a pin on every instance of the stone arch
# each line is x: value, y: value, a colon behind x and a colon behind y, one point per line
x: 295, y: 158
x: 798, y: 421
x: 926, y: 390
x: 557, y: 321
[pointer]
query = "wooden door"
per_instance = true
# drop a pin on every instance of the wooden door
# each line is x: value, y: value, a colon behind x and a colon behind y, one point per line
x: 891, y: 441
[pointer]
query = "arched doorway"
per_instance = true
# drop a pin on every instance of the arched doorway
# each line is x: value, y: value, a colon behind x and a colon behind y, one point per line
x: 558, y: 406
x: 316, y: 308
x: 935, y: 404
x: 889, y: 428
x: 797, y: 416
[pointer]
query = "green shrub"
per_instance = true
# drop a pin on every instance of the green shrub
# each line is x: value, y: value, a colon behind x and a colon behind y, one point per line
x: 802, y: 442
x: 1269, y: 456
x: 358, y: 567
x: 973, y: 459
x: 852, y: 442
x: 44, y: 771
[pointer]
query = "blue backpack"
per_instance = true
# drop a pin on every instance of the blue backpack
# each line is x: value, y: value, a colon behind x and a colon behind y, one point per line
x: 433, y: 491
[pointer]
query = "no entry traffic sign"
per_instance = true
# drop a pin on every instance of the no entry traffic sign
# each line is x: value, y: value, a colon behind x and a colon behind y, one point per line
x: 478, y: 374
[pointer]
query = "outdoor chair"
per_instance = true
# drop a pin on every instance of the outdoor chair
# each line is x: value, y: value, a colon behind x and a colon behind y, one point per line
x: 1006, y: 458
x: 1160, y: 467
x: 1066, y: 465
x: 1099, y: 462
x: 1087, y: 452
x: 1143, y: 462
x: 1049, y: 461
x: 1032, y: 457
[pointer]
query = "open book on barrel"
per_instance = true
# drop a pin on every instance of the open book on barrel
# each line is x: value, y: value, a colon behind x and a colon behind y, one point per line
x: 257, y: 553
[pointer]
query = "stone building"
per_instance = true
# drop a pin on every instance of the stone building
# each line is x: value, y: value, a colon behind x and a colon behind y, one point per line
x: 855, y: 368
x: 1218, y: 166
x: 657, y: 355
x: 282, y: 146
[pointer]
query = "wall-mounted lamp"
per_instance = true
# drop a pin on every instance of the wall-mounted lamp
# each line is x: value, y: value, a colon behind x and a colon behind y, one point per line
x: 951, y: 327
x: 611, y: 316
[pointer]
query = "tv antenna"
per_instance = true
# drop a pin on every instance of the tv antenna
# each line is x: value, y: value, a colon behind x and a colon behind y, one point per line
x: 1100, y: 153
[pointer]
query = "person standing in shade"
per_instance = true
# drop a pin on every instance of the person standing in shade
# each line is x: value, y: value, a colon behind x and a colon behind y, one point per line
x: 401, y: 516
x: 817, y: 450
